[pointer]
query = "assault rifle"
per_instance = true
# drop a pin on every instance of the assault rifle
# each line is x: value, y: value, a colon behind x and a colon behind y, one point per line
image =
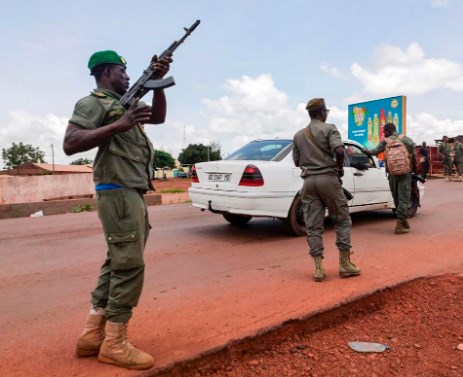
x: 147, y: 81
x: 346, y: 192
x: 416, y: 177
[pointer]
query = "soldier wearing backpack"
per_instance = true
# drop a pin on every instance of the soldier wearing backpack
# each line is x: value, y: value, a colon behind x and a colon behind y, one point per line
x: 400, y: 163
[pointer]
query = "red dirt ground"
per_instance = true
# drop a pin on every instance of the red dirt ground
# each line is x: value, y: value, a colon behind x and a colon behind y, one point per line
x: 420, y: 321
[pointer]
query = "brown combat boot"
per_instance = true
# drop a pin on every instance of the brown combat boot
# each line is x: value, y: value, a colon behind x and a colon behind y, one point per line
x: 91, y: 338
x: 319, y: 272
x: 346, y: 267
x: 401, y: 227
x: 117, y: 350
x: 405, y: 224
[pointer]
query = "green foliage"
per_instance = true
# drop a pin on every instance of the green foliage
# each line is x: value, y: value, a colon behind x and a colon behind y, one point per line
x: 82, y: 161
x: 171, y: 191
x: 163, y: 159
x: 194, y: 153
x: 82, y: 208
x: 19, y: 154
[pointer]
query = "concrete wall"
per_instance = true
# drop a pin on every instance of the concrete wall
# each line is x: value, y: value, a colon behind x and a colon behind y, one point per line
x: 55, y: 207
x: 30, y: 189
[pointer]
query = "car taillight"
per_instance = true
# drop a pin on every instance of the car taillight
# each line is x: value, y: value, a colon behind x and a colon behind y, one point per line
x: 251, y: 177
x: 194, y: 175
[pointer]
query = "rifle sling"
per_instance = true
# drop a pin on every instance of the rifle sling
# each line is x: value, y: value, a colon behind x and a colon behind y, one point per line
x: 308, y: 134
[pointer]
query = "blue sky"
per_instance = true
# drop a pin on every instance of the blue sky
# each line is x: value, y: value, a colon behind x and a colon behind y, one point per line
x: 245, y: 73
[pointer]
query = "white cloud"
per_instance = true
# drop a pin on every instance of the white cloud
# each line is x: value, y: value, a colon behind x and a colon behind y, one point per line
x: 407, y: 72
x: 440, y: 3
x: 252, y: 108
x: 333, y: 71
x: 233, y: 121
x: 251, y: 95
x: 339, y: 118
x: 426, y: 127
x: 38, y: 131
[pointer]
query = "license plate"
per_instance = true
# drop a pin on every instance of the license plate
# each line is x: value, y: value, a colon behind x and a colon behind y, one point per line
x: 219, y: 177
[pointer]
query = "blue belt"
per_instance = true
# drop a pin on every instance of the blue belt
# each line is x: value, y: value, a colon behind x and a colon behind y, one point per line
x: 107, y: 186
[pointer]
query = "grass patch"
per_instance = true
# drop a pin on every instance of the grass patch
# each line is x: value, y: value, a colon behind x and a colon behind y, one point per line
x: 171, y: 191
x: 82, y: 208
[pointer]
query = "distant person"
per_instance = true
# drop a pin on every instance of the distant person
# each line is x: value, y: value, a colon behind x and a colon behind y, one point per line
x: 122, y: 172
x: 400, y: 185
x: 444, y: 153
x: 424, y: 160
x: 319, y: 152
x: 458, y: 158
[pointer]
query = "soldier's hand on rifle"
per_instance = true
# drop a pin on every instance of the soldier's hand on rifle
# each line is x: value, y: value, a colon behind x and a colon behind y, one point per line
x: 161, y: 66
x: 134, y: 115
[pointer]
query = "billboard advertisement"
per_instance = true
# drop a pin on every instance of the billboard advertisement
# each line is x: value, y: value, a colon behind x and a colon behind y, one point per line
x: 367, y: 119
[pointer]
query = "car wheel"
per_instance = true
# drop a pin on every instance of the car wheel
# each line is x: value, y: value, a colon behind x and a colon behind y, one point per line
x: 236, y: 219
x: 295, y: 223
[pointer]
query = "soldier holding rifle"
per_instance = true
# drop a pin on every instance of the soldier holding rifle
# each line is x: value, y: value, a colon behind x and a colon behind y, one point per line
x: 111, y: 118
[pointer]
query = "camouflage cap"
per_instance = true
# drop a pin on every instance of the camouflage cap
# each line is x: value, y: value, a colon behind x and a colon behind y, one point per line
x: 316, y: 104
x: 105, y: 57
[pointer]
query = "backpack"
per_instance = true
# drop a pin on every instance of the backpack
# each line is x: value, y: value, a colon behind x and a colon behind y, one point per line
x: 397, y: 158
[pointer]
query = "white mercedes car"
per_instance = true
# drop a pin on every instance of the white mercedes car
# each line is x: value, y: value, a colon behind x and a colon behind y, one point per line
x: 260, y: 180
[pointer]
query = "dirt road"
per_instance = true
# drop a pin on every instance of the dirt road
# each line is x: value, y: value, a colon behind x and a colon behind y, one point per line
x: 206, y: 281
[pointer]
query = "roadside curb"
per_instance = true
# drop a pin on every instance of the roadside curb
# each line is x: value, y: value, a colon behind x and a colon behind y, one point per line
x: 321, y: 317
x: 57, y: 207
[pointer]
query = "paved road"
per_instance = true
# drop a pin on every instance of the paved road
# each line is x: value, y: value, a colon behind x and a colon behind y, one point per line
x: 206, y: 281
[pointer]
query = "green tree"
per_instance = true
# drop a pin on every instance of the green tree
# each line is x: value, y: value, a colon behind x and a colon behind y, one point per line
x: 163, y: 159
x: 82, y: 161
x: 19, y: 154
x: 194, y: 153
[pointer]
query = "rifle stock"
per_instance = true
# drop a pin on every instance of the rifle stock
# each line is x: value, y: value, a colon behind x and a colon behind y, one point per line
x: 147, y: 80
x: 346, y: 192
x: 416, y: 177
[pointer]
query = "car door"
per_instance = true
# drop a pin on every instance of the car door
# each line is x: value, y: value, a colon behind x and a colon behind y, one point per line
x: 370, y: 182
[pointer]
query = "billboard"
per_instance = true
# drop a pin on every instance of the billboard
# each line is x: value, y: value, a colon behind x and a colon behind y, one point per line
x: 367, y: 119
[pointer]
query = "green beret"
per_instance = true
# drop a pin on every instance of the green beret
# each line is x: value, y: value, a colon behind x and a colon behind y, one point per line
x: 316, y: 104
x: 105, y: 57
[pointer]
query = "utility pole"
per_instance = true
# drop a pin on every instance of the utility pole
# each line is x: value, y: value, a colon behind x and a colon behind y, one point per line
x: 53, y: 157
x: 184, y: 137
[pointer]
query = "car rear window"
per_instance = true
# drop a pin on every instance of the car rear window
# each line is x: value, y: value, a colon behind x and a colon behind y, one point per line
x: 264, y: 150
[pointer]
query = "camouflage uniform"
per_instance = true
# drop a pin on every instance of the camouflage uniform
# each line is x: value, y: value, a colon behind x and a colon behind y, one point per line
x: 458, y: 157
x: 400, y: 185
x: 444, y: 148
x: 321, y: 188
x: 125, y: 164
